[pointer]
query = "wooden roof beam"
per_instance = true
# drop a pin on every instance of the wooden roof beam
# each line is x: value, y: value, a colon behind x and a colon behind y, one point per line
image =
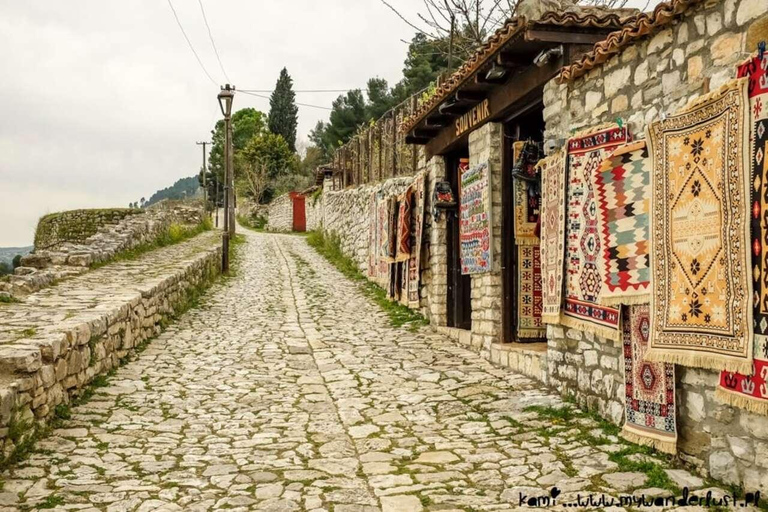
x: 556, y: 36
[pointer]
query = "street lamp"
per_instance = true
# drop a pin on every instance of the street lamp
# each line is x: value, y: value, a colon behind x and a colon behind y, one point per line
x: 225, y: 97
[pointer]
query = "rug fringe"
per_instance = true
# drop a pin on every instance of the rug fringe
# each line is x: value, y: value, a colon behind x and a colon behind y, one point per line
x: 626, y: 300
x: 698, y: 360
x: 553, y: 318
x: 585, y: 326
x: 742, y: 401
x: 732, y: 85
x: 637, y: 438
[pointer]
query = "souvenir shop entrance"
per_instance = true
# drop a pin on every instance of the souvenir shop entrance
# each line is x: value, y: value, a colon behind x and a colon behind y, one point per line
x: 520, y: 264
x: 459, y: 299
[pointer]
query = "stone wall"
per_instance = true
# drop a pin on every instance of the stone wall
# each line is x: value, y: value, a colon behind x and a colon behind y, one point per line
x: 76, y: 226
x: 661, y: 73
x: 281, y: 214
x: 117, y: 231
x: 346, y: 215
x: 314, y: 208
x: 63, y: 346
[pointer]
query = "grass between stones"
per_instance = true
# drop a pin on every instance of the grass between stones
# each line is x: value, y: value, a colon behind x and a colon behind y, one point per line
x: 330, y: 249
x: 253, y: 223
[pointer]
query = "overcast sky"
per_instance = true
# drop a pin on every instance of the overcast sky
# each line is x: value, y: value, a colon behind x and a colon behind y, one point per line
x: 103, y: 101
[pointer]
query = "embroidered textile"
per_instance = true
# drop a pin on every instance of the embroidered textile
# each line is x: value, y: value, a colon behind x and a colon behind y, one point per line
x: 414, y: 263
x: 475, y: 220
x: 623, y: 188
x: 583, y: 261
x: 526, y: 206
x: 751, y: 392
x: 387, y: 229
x: 649, y: 387
x: 552, y: 249
x: 529, y: 303
x: 403, y: 252
x: 701, y: 301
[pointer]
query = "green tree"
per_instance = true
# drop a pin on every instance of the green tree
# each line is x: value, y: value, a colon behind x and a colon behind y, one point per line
x: 380, y: 98
x: 283, y: 112
x: 265, y: 160
x: 16, y: 261
x: 5, y: 268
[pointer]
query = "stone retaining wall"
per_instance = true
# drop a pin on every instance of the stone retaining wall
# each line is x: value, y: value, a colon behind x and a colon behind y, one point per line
x: 58, y: 353
x: 661, y: 73
x: 76, y: 226
x: 281, y: 214
x: 130, y: 229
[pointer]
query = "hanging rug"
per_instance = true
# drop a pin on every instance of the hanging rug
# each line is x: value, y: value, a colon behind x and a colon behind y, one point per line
x: 552, y: 249
x: 649, y: 387
x: 584, y: 266
x: 701, y: 298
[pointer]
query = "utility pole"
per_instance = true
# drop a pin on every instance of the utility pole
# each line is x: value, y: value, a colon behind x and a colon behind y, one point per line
x: 205, y: 171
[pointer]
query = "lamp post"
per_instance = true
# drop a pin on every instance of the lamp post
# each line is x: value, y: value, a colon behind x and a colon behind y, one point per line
x: 225, y: 97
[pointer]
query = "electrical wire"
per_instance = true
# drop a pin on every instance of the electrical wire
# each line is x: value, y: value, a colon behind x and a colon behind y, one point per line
x: 267, y: 97
x: 297, y: 90
x: 190, y: 45
x: 210, y: 36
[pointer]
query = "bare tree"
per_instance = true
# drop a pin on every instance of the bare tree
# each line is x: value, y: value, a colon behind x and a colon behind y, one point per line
x: 468, y: 23
x: 256, y: 176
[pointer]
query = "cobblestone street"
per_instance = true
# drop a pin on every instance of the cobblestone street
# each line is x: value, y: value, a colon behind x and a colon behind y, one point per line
x: 287, y: 389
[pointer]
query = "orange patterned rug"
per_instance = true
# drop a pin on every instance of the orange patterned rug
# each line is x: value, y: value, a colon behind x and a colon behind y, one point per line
x: 701, y: 298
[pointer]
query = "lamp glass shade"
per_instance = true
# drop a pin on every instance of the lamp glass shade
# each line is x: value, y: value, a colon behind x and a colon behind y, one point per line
x: 225, y: 102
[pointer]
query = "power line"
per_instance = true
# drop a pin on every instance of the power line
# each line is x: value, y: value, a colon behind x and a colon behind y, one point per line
x: 298, y: 90
x: 210, y: 36
x: 267, y: 97
x: 190, y: 45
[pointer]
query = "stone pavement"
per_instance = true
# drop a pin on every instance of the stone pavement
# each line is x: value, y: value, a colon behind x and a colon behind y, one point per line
x: 288, y: 390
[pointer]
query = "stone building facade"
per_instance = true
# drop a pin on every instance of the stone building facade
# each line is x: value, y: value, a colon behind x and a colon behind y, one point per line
x: 657, y: 74
x: 689, y: 51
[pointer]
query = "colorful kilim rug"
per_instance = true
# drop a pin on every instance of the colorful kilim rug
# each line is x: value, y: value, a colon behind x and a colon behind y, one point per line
x: 751, y: 392
x: 623, y: 188
x: 526, y: 207
x: 649, y: 387
x: 584, y: 268
x: 529, y: 303
x: 414, y: 264
x: 403, y: 252
x: 387, y: 229
x: 701, y: 300
x: 552, y: 249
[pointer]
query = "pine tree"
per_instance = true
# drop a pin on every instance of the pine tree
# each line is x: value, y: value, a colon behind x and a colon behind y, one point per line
x: 283, y: 112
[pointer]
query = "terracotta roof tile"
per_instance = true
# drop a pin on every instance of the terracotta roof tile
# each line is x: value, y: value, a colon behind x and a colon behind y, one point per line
x: 586, y: 17
x: 636, y: 28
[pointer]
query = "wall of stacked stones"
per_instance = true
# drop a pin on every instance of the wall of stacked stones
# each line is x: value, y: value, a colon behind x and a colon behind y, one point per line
x: 52, y: 370
x: 314, y: 209
x: 76, y: 226
x: 661, y: 74
x: 281, y: 214
x: 347, y: 214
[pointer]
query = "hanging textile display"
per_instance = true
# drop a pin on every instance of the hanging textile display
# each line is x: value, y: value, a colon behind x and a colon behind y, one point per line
x: 583, y: 260
x: 403, y: 250
x: 526, y: 194
x: 552, y: 248
x: 623, y: 188
x: 701, y: 300
x: 475, y: 220
x: 414, y: 263
x: 373, y: 238
x: 751, y: 391
x: 529, y: 303
x: 649, y: 387
x: 387, y: 229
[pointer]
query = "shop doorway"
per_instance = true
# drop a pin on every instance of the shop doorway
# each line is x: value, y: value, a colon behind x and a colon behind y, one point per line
x: 459, y: 286
x: 523, y: 126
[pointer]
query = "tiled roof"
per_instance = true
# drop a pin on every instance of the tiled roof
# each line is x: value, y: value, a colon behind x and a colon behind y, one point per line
x: 585, y: 17
x: 636, y: 28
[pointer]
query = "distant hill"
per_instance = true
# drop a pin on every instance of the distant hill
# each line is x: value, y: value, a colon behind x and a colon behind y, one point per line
x: 7, y: 253
x: 183, y: 188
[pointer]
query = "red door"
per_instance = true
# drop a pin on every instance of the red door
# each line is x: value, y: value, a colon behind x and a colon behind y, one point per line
x: 299, y: 214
